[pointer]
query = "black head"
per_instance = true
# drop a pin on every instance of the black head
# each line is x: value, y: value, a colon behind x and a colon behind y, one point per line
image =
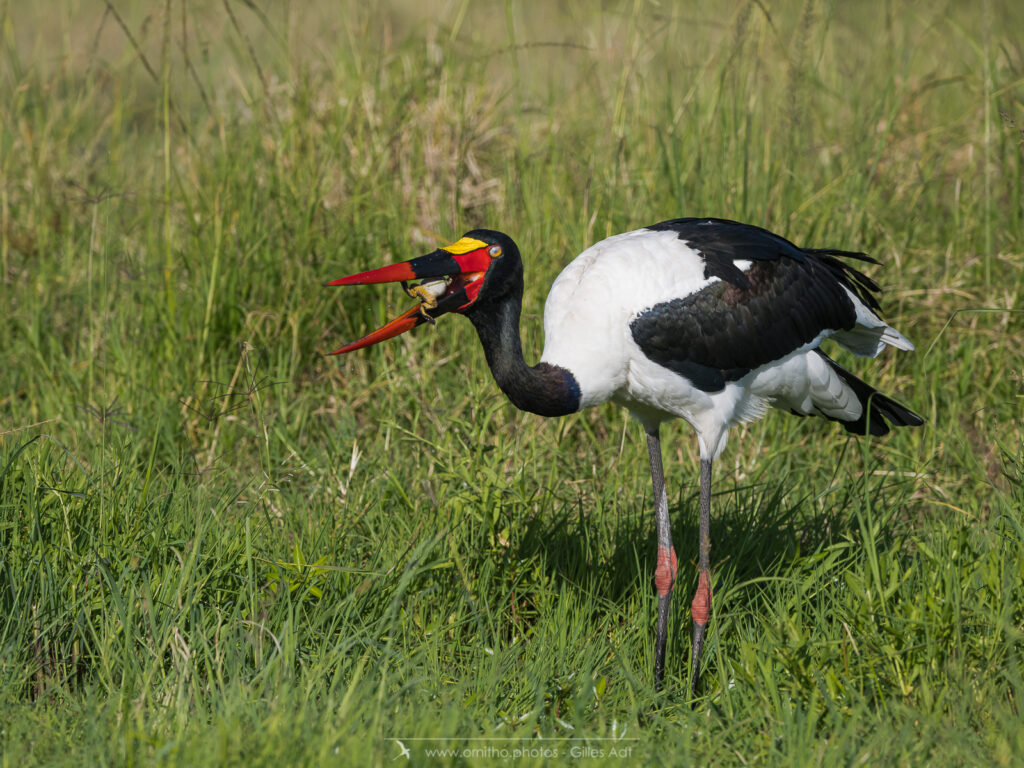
x: 504, y: 277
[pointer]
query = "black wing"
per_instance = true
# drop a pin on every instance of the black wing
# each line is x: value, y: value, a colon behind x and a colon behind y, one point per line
x: 748, y: 319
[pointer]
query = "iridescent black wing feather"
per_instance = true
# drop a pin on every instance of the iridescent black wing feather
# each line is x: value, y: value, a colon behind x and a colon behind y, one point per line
x: 748, y: 318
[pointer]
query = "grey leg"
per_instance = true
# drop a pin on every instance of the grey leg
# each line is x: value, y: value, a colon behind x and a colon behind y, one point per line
x: 700, y: 609
x: 665, y: 571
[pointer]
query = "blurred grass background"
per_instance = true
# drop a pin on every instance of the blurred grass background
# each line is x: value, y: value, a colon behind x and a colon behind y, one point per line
x: 218, y: 546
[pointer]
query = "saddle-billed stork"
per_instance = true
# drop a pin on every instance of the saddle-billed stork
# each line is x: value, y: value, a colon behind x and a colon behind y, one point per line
x: 707, y: 320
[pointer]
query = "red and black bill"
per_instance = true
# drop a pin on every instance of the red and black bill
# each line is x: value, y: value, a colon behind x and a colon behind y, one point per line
x: 447, y: 280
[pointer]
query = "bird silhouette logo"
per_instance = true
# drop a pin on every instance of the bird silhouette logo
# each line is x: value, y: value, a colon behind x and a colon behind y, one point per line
x: 404, y: 753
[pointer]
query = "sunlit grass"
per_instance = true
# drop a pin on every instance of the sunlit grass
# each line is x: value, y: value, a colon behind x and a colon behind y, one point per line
x: 219, y: 546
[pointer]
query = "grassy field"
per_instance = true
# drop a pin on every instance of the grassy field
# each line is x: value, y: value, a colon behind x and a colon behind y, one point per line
x: 220, y: 547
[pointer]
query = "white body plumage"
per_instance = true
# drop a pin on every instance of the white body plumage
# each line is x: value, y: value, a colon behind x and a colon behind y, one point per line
x: 587, y: 320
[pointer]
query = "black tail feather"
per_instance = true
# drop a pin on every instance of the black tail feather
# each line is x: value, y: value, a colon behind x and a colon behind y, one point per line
x: 879, y: 411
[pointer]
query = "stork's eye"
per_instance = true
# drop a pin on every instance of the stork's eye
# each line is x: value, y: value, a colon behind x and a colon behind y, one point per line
x: 494, y: 251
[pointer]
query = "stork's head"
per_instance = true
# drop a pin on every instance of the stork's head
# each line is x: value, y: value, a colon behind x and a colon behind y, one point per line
x: 473, y: 273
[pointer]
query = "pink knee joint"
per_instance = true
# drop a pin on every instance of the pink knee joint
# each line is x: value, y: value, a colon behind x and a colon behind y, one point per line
x: 665, y: 572
x: 700, y: 608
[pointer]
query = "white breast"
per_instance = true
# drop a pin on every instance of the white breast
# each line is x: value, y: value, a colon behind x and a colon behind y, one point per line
x: 594, y: 300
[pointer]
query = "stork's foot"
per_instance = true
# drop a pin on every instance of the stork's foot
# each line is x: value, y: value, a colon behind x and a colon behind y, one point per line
x: 700, y: 611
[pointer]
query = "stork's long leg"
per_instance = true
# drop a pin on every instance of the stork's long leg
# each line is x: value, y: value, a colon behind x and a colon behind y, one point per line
x: 665, y: 571
x: 700, y: 609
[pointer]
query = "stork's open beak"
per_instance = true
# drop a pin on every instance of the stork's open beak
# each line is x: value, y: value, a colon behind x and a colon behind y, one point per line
x: 447, y: 280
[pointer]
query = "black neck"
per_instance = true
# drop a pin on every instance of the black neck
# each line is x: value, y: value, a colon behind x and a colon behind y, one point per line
x: 544, y: 389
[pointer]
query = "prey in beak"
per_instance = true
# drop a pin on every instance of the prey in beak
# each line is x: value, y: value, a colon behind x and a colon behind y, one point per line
x: 447, y: 280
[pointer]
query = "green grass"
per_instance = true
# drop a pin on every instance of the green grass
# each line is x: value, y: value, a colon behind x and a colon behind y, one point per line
x: 218, y: 546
